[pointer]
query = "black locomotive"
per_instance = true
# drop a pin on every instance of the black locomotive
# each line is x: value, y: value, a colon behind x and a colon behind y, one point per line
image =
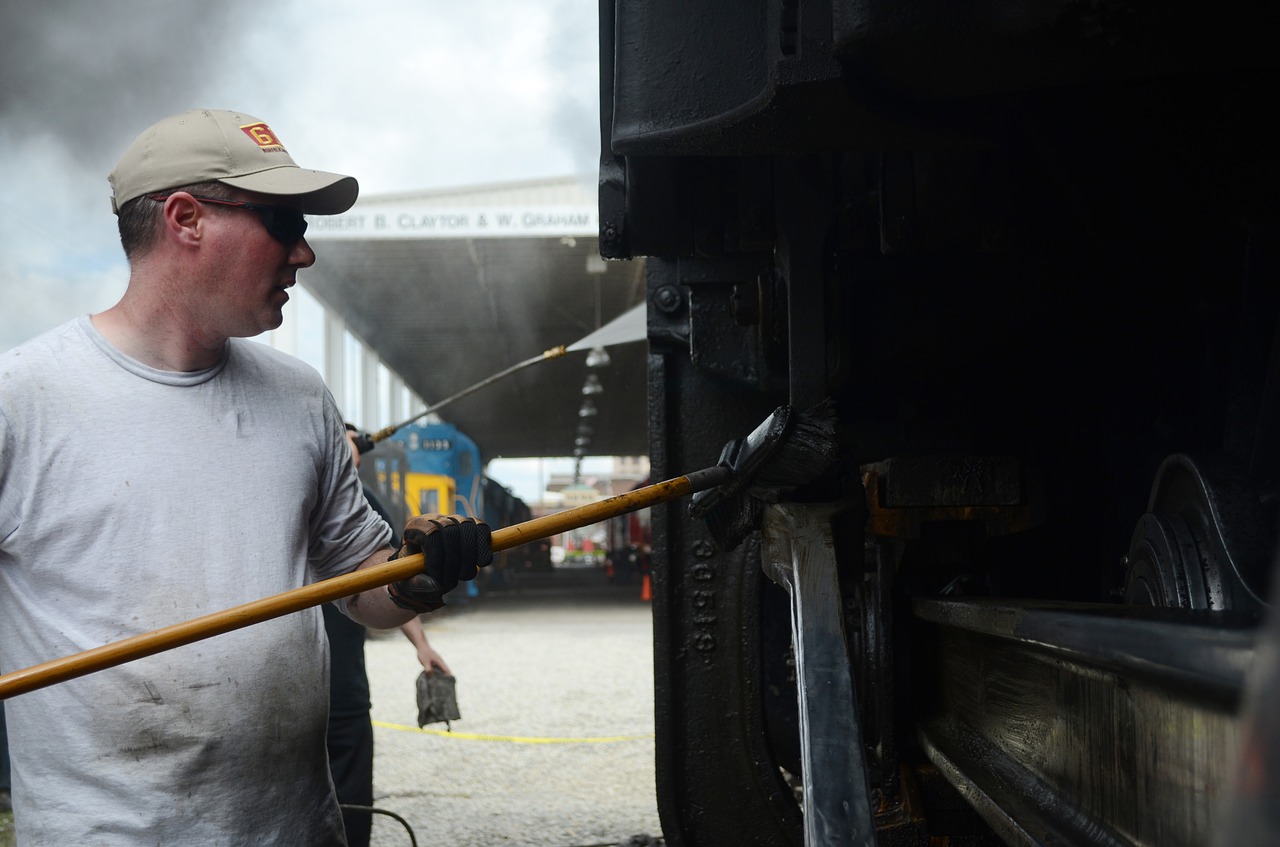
x: 1029, y: 249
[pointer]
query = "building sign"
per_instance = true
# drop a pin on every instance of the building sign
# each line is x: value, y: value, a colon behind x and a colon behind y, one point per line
x: 580, y: 495
x: 423, y: 221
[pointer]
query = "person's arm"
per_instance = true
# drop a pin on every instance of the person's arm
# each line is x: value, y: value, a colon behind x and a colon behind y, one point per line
x: 427, y: 655
x: 374, y: 607
x: 453, y: 547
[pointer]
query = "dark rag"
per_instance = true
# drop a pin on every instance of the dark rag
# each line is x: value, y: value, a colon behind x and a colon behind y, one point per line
x: 437, y: 699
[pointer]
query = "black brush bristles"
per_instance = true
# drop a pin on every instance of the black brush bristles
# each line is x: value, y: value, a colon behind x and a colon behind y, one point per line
x: 786, y: 451
x: 806, y: 452
x: 732, y: 520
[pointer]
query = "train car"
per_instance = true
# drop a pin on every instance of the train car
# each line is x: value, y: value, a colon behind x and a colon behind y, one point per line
x: 502, y: 508
x: 400, y: 491
x: 444, y: 468
x: 445, y: 474
x: 430, y: 493
x: 384, y: 472
x: 1030, y: 253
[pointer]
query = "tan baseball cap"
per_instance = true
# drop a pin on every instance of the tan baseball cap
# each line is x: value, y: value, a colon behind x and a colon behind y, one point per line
x: 230, y: 147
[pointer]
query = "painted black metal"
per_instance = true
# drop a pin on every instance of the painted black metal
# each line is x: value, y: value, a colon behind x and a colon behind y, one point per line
x: 718, y: 780
x: 870, y: 621
x: 1042, y: 231
x: 1083, y: 724
x: 800, y: 554
x: 719, y: 341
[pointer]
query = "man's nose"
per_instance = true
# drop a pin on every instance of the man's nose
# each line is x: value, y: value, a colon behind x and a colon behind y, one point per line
x: 301, y: 254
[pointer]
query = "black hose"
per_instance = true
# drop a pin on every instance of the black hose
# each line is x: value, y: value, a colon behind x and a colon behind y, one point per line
x: 374, y: 810
x: 633, y: 841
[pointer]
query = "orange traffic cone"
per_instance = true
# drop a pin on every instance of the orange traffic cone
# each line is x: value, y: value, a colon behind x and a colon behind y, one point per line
x: 646, y: 589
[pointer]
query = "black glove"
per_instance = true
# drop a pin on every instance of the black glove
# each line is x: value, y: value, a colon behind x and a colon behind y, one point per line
x: 452, y: 548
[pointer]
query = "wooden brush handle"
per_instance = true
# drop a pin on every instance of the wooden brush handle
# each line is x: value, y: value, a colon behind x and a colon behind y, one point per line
x: 296, y: 599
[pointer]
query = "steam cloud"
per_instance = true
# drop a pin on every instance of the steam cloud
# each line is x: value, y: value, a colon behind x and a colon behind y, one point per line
x: 420, y: 95
x: 79, y: 74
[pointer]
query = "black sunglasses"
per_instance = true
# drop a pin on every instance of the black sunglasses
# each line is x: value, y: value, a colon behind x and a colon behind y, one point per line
x: 283, y: 224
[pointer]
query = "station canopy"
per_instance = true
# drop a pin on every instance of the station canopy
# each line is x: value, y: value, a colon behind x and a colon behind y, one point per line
x: 451, y: 287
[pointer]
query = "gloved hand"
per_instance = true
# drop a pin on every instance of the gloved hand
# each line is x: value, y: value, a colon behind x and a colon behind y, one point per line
x: 453, y: 549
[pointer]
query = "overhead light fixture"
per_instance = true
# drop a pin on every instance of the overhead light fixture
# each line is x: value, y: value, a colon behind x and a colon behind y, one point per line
x: 588, y: 409
x: 581, y: 441
x: 598, y: 358
x: 579, y: 452
x: 585, y: 428
x: 592, y: 385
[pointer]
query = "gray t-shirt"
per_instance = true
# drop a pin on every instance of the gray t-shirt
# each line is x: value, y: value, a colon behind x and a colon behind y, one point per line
x: 133, y: 498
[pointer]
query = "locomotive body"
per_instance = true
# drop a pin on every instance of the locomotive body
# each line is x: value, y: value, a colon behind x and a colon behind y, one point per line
x: 1029, y: 251
x: 444, y: 469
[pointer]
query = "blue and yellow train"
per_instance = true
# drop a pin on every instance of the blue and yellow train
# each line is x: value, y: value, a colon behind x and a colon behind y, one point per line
x: 444, y: 470
x: 430, y: 468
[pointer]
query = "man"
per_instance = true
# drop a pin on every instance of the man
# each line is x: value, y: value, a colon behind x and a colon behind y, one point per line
x: 154, y: 467
x: 350, y: 727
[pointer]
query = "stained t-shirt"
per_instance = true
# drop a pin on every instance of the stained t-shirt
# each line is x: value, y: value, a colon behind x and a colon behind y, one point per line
x: 133, y: 498
x: 348, y: 681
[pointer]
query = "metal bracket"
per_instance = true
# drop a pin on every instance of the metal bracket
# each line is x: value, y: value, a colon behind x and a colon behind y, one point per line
x: 800, y: 555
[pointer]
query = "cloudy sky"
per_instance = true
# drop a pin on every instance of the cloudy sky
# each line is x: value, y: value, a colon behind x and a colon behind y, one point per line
x: 401, y: 94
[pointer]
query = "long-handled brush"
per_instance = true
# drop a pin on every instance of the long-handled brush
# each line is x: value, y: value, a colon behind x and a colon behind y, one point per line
x: 788, y: 450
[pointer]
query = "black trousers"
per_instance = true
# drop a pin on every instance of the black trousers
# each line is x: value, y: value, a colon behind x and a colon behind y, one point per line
x: 351, y: 765
x: 4, y: 751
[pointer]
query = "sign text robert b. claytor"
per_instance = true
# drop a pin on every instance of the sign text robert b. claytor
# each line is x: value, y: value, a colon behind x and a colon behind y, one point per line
x: 420, y: 221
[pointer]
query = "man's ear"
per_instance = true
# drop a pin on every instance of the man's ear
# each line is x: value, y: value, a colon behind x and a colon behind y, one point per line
x: 183, y: 218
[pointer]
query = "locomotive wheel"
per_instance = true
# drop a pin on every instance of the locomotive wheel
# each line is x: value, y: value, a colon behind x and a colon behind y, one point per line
x: 1166, y: 567
x: 1203, y: 543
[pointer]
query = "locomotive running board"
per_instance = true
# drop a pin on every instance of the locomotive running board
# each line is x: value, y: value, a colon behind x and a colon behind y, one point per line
x: 1081, y: 724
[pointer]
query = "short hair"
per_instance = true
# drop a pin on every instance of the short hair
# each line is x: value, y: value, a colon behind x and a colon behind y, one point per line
x: 139, y: 219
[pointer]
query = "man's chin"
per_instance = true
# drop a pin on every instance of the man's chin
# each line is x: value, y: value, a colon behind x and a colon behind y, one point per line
x: 272, y: 319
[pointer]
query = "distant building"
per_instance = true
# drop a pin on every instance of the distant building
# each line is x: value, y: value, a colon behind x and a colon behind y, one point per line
x: 627, y: 473
x: 564, y: 493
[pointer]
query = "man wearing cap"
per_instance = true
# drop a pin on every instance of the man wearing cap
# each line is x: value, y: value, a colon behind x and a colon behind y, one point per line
x: 155, y: 467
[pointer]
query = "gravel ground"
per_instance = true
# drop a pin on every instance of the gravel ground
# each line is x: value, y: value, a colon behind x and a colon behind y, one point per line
x: 555, y: 744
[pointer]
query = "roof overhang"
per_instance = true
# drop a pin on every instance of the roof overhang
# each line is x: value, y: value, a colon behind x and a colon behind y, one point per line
x: 448, y: 312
